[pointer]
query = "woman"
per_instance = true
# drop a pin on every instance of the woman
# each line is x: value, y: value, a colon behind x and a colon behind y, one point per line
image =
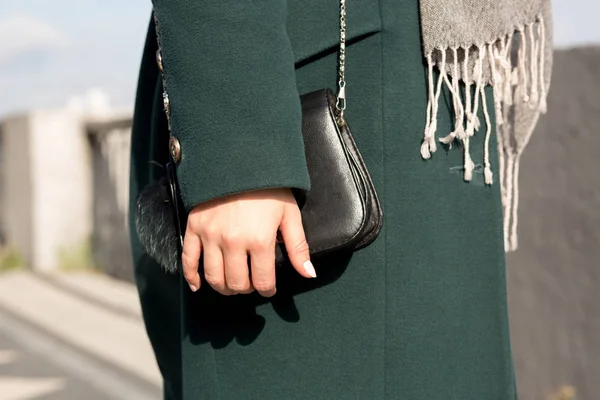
x: 420, y: 313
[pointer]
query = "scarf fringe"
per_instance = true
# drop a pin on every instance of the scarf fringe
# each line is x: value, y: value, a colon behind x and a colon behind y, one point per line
x: 482, y: 64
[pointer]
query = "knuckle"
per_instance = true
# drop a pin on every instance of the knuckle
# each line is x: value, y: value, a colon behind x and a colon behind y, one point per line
x: 194, y: 223
x: 188, y: 260
x: 264, y: 286
x: 301, y: 247
x: 215, y: 282
x: 249, y: 290
x: 189, y: 274
x: 237, y: 287
x: 261, y: 241
x: 232, y: 239
x: 209, y: 230
x: 267, y: 294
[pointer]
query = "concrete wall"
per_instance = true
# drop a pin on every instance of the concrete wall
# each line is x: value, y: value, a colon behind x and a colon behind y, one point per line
x: 110, y: 239
x: 17, y: 186
x: 47, y: 186
x: 63, y: 187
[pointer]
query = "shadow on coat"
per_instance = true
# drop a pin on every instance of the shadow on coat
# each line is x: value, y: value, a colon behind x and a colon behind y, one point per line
x: 212, y: 317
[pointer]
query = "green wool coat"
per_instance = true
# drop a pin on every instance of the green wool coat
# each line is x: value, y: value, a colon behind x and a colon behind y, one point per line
x: 421, y: 313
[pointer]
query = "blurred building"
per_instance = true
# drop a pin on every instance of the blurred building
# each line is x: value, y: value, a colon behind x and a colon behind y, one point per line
x: 64, y: 188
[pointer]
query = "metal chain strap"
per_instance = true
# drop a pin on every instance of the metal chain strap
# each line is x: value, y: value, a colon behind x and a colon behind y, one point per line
x: 341, y: 95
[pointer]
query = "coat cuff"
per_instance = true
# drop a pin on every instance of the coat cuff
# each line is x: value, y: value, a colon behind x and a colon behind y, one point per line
x: 234, y: 105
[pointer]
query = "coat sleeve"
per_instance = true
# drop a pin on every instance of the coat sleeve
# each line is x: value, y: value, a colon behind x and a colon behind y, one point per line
x: 234, y: 105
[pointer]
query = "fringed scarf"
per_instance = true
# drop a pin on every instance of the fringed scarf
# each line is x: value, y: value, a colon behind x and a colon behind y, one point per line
x: 503, y: 43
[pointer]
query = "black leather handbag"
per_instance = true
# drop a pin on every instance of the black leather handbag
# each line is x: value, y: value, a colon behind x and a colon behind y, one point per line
x: 341, y: 212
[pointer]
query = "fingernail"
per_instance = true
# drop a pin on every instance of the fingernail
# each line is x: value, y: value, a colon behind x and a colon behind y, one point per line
x: 308, y: 266
x: 193, y: 288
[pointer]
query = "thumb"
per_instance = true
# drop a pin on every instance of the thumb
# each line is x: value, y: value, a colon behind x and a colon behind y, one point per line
x: 295, y: 241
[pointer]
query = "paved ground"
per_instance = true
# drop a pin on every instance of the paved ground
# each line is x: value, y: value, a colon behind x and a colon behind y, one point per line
x: 73, y: 337
x: 25, y: 374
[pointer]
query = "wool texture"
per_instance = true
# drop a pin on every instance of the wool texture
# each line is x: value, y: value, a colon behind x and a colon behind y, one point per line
x: 471, y: 44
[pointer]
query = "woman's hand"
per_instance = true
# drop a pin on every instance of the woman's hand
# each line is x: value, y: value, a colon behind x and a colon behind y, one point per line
x: 233, y: 230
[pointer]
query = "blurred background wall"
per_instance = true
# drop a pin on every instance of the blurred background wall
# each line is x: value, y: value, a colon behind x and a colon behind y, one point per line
x: 554, y: 277
x: 67, y: 209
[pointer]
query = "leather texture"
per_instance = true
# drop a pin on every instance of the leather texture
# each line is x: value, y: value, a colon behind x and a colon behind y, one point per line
x: 340, y: 213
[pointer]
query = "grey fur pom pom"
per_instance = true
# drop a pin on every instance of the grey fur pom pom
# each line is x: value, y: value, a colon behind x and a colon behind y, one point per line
x: 155, y: 225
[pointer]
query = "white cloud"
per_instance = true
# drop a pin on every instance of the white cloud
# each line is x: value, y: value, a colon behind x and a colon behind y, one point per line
x: 21, y: 34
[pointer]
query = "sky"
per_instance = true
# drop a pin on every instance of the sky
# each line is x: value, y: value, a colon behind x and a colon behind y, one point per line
x: 53, y: 51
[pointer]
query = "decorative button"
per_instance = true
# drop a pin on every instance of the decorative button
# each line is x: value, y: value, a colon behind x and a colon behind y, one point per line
x: 159, y: 60
x: 175, y: 149
x: 166, y: 104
